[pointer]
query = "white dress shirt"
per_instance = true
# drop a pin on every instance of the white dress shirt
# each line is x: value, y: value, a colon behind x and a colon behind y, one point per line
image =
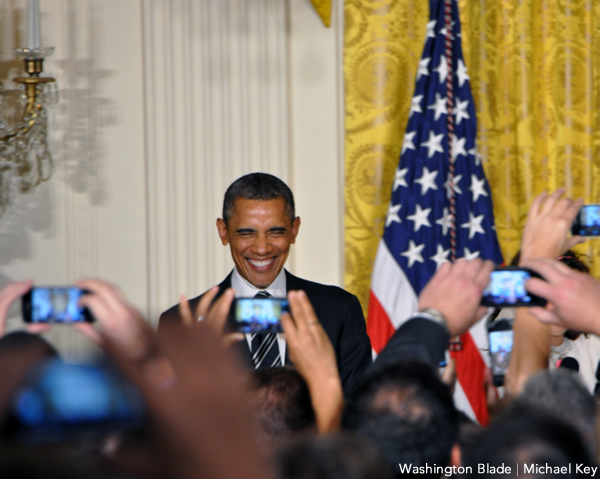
x: 277, y: 289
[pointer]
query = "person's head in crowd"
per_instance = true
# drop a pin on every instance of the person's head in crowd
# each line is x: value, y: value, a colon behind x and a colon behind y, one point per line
x: 259, y: 224
x: 19, y: 340
x: 468, y: 433
x: 562, y: 394
x: 282, y: 405
x: 335, y: 456
x: 408, y: 412
x: 523, y: 436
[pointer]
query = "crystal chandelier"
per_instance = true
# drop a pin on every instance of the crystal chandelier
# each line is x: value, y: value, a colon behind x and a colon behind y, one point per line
x: 25, y: 159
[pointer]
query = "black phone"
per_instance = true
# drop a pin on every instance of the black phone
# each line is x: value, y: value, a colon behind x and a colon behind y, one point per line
x: 507, y: 288
x: 257, y: 315
x: 54, y: 304
x: 587, y: 221
x: 61, y: 401
x: 500, y: 335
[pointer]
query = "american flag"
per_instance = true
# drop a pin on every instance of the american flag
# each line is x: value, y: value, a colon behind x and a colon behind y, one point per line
x: 441, y: 206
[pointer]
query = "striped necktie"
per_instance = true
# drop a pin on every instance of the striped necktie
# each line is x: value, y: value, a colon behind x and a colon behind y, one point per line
x: 265, y: 349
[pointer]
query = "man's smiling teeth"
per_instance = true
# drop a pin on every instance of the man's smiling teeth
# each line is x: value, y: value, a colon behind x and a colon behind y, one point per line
x: 261, y: 264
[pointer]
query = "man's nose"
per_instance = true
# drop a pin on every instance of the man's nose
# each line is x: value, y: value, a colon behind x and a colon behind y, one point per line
x: 262, y: 244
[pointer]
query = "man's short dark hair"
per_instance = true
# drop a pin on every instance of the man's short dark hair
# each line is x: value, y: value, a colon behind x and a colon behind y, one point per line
x: 408, y: 412
x: 258, y: 186
x: 333, y: 456
x: 283, y: 405
x: 524, y: 435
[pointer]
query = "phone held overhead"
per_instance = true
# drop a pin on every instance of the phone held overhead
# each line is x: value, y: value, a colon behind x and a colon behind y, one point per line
x: 54, y: 304
x: 507, y: 288
x: 587, y: 221
x: 257, y: 315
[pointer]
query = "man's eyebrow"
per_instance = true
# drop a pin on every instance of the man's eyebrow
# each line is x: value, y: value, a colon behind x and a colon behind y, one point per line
x: 278, y: 229
x: 245, y: 231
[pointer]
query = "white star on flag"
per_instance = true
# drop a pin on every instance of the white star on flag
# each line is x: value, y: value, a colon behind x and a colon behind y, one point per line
x: 415, y: 105
x: 431, y: 28
x: 474, y: 225
x: 399, y: 180
x: 473, y: 151
x: 392, y: 215
x: 441, y: 256
x: 458, y: 147
x: 470, y: 256
x: 455, y: 186
x: 420, y: 217
x: 413, y: 253
x: 461, y: 111
x: 477, y: 188
x: 442, y: 69
x: 433, y: 144
x: 440, y: 106
x: 445, y: 221
x: 462, y: 73
x: 423, y: 68
x: 427, y: 180
x: 408, y: 141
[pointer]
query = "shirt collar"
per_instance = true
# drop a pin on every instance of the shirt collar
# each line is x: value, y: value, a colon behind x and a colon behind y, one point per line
x: 245, y: 289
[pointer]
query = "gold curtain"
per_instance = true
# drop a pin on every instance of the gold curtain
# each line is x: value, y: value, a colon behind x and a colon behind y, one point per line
x: 323, y: 8
x: 536, y: 86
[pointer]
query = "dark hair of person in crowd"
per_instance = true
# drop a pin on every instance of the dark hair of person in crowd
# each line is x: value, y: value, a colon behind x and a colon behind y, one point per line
x: 258, y: 186
x: 408, y: 412
x: 531, y: 443
x: 562, y: 394
x: 282, y: 405
x: 335, y: 456
x: 20, y: 340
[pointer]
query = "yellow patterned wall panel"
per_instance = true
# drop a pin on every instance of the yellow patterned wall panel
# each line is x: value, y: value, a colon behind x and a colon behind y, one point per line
x: 383, y: 44
x: 536, y: 87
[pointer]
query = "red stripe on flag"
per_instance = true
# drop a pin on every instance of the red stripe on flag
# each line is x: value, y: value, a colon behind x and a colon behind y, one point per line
x: 379, y: 327
x: 470, y: 369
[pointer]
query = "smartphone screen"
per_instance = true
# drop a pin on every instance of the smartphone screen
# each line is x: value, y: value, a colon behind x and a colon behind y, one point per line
x: 500, y: 350
x: 60, y: 401
x: 258, y: 315
x: 54, y: 304
x: 507, y: 288
x: 587, y: 221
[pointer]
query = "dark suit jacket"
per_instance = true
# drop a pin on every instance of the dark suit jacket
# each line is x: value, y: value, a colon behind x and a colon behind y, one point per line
x: 340, y: 315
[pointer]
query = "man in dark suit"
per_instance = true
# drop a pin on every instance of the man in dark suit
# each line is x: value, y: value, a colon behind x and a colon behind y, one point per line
x: 259, y: 224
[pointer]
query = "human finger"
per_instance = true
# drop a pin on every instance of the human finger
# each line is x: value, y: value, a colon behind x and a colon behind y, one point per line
x: 90, y: 332
x: 232, y: 338
x: 184, y: 311
x: 38, y: 328
x: 302, y: 311
x: 217, y: 314
x: 482, y: 277
x: 9, y: 294
x: 574, y: 241
x: 536, y: 204
x: 551, y: 200
x: 206, y: 301
x: 545, y: 315
x: 112, y: 296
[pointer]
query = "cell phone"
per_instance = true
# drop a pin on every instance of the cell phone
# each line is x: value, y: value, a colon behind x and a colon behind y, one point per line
x: 54, y: 304
x: 507, y: 288
x: 500, y: 334
x: 257, y: 315
x: 60, y: 402
x: 587, y: 221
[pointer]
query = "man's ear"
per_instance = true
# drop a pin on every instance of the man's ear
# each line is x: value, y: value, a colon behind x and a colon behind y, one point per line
x: 222, y: 229
x: 295, y: 228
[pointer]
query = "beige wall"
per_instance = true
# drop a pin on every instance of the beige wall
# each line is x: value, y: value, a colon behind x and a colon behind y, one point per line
x: 162, y: 104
